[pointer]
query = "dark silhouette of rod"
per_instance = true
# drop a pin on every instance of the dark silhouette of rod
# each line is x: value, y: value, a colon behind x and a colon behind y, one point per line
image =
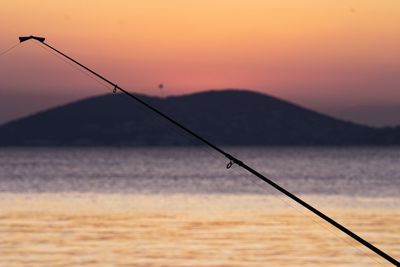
x: 232, y: 159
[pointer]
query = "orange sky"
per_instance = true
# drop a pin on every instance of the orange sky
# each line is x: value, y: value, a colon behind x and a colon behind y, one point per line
x: 321, y: 54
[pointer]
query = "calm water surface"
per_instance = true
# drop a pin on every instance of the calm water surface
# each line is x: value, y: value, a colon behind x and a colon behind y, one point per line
x: 352, y: 171
x: 182, y: 207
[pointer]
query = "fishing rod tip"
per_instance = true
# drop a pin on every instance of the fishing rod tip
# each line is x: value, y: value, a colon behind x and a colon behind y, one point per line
x: 26, y: 38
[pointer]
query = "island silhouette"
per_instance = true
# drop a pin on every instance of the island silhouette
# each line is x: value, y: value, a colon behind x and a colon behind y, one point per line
x: 228, y: 117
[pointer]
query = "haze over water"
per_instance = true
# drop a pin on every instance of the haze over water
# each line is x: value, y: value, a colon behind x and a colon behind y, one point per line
x: 182, y: 207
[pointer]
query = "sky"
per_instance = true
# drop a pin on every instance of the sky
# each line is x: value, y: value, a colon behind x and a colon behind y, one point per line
x: 337, y: 57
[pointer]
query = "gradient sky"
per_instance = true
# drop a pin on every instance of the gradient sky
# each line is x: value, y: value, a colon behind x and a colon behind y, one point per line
x: 326, y: 55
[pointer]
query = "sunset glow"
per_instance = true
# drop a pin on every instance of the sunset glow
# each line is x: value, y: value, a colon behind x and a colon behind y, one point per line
x: 319, y: 54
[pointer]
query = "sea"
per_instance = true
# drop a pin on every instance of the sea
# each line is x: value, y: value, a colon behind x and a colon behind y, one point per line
x: 114, y: 206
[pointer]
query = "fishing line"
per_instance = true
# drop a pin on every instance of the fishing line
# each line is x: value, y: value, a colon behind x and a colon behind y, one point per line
x: 74, y: 66
x: 205, y: 150
x: 232, y: 159
x: 9, y: 49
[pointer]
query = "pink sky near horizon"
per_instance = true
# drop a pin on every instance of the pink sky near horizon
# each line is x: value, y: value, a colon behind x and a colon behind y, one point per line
x: 320, y: 54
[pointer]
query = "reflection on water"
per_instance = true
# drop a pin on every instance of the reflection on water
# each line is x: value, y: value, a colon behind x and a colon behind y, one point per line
x: 182, y: 207
x: 343, y: 171
x: 185, y: 230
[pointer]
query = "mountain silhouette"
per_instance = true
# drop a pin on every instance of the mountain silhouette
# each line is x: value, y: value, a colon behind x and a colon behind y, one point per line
x: 229, y: 117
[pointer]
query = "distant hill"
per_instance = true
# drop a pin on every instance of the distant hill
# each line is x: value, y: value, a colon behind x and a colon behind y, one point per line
x: 230, y: 117
x: 373, y: 115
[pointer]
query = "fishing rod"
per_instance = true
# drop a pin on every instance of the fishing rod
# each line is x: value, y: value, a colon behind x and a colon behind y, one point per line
x: 232, y: 159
